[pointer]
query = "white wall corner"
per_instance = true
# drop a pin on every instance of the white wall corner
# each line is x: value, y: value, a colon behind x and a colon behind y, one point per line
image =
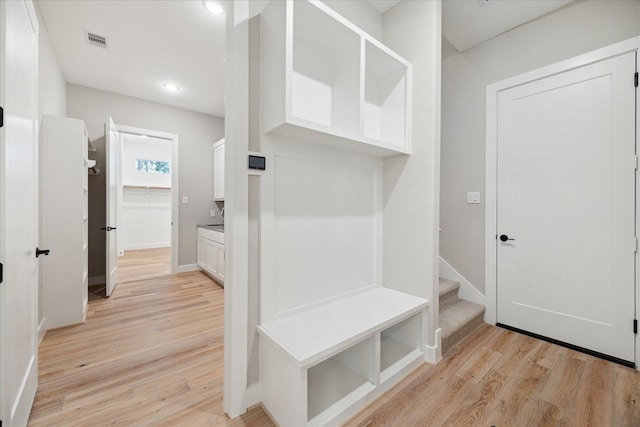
x: 184, y: 268
x: 253, y: 395
x: 42, y: 330
x: 96, y: 280
x: 467, y: 291
x: 433, y: 354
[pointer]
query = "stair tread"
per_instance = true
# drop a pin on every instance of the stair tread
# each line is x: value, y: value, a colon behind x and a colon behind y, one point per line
x: 447, y: 286
x: 455, y: 316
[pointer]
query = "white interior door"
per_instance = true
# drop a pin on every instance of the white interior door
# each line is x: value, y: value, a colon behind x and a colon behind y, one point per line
x: 566, y: 196
x: 18, y: 211
x: 111, y: 154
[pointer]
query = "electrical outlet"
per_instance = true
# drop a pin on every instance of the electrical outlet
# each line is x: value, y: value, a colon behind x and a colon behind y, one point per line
x: 213, y: 213
x: 473, y: 197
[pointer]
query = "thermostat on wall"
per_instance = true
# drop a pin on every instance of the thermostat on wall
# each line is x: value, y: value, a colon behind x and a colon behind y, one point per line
x: 257, y: 162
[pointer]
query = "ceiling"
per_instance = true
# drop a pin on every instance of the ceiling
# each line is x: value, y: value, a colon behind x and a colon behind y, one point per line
x: 467, y: 23
x: 153, y: 42
x: 149, y: 43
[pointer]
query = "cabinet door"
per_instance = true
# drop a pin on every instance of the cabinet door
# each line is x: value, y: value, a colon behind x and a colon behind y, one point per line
x: 218, y: 171
x: 212, y: 257
x: 221, y: 260
x: 202, y: 253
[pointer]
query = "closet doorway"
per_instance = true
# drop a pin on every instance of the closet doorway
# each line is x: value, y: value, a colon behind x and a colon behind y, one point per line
x: 147, y: 204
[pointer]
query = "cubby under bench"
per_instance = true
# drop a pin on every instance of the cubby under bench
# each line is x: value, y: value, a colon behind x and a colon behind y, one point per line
x: 320, y: 366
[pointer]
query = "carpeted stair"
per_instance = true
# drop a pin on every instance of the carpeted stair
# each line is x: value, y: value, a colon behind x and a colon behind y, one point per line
x: 458, y: 317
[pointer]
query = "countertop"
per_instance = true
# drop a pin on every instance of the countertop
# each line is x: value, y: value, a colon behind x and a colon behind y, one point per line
x: 214, y: 227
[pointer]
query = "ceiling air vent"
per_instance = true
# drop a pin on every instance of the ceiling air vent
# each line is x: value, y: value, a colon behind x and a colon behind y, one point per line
x: 96, y: 40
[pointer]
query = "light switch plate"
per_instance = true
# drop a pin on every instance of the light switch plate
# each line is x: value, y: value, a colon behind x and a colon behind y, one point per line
x: 213, y: 213
x: 473, y: 197
x: 185, y: 200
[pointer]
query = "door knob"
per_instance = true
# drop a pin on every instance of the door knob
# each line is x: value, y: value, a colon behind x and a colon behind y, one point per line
x: 41, y: 252
x: 504, y: 238
x: 107, y: 228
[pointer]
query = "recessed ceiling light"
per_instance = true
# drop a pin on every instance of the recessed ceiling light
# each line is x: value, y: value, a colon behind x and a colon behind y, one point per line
x: 213, y: 7
x: 171, y: 87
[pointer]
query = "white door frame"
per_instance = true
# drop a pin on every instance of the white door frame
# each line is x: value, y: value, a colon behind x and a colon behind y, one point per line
x: 491, y: 160
x: 175, y: 207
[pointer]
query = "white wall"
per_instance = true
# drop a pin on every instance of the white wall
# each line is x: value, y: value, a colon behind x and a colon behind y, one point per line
x: 581, y: 27
x: 53, y: 101
x: 53, y: 89
x: 146, y: 213
x: 196, y: 131
x: 146, y: 219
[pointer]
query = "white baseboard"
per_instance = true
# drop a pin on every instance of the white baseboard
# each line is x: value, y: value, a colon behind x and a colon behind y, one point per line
x: 146, y: 246
x: 467, y: 291
x: 253, y: 395
x: 97, y: 280
x: 188, y: 267
x: 42, y: 331
x: 433, y: 354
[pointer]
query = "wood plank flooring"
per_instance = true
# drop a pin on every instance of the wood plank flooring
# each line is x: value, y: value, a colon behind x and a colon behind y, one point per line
x: 497, y: 377
x: 144, y: 264
x: 151, y: 355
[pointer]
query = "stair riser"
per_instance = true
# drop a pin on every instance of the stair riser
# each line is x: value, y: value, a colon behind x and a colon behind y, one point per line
x: 457, y: 336
x: 449, y: 298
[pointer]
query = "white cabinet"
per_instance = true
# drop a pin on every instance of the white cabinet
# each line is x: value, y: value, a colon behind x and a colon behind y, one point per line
x: 211, y: 253
x: 319, y: 366
x: 326, y: 80
x: 202, y: 252
x: 218, y: 171
x: 212, y: 257
x: 65, y: 217
x: 221, y: 261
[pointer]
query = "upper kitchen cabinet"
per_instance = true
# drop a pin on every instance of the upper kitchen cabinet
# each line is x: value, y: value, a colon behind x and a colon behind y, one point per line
x: 325, y: 80
x: 218, y: 171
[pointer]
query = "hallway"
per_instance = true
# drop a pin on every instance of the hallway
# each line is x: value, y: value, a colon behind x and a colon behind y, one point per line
x: 151, y: 354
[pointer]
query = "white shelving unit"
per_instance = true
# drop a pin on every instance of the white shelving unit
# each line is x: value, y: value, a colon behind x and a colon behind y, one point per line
x: 65, y: 210
x: 320, y: 365
x: 327, y: 81
x: 333, y: 337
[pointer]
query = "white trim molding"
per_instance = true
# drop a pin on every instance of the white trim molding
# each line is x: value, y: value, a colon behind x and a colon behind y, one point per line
x: 433, y: 353
x: 184, y: 268
x: 491, y: 163
x: 467, y: 291
x: 42, y: 330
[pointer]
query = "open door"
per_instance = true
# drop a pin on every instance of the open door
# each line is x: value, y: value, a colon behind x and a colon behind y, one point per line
x: 18, y: 211
x: 111, y: 152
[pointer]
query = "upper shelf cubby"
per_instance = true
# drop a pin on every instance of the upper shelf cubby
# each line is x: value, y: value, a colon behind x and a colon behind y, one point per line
x: 325, y: 80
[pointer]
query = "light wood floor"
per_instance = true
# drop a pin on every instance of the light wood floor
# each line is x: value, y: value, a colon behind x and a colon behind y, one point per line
x: 500, y: 378
x: 151, y: 355
x: 144, y: 264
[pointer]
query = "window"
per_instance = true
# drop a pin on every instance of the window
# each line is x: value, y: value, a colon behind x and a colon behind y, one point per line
x: 155, y: 166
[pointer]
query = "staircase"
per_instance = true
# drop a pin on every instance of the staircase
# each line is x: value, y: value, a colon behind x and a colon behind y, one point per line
x: 458, y: 317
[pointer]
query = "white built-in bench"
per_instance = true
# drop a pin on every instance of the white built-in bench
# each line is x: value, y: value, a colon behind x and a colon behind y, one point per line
x: 322, y: 365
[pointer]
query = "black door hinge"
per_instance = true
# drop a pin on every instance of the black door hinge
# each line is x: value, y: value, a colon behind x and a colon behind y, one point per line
x: 1, y: 275
x: 635, y: 326
x: 635, y: 79
x: 2, y: 124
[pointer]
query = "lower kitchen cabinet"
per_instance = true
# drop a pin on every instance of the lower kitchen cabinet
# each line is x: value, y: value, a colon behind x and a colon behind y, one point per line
x: 211, y: 257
